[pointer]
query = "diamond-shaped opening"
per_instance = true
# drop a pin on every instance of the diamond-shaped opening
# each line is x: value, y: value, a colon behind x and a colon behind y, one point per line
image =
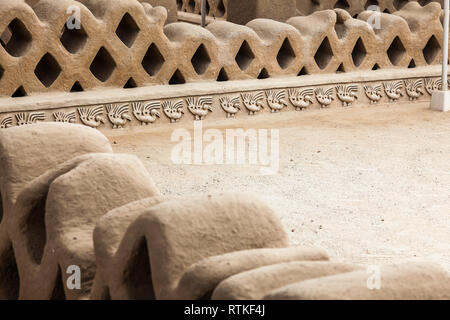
x: 370, y: 3
x: 412, y: 64
x: 47, y: 70
x: 103, y: 65
x: 342, y: 4
x: 1, y: 72
x: 324, y: 54
x: 137, y: 275
x: 376, y: 67
x: 208, y: 9
x: 359, y: 53
x: 303, y: 72
x: 398, y: 4
x: 396, y: 51
x: 386, y: 10
x: 16, y: 39
x: 73, y: 39
x: 223, y: 76
x: 264, y: 74
x: 340, y: 69
x: 130, y: 84
x: 128, y: 30
x: 431, y: 50
x: 200, y: 60
x: 153, y: 60
x: 191, y: 6
x: 76, y: 87
x: 245, y: 56
x: 286, y: 55
x: 58, y: 290
x: 177, y: 78
x: 9, y: 281
x: 220, y: 10
x: 425, y: 2
x: 20, y: 92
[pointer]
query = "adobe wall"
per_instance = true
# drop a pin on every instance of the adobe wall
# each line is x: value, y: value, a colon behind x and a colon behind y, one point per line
x: 125, y: 68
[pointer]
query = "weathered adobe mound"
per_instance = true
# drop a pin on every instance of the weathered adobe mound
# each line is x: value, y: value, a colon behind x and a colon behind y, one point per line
x: 68, y: 201
x: 241, y: 12
x: 125, y: 44
x: 306, y: 7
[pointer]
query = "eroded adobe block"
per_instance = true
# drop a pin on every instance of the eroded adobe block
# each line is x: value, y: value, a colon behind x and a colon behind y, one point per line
x: 26, y: 152
x: 256, y: 283
x: 242, y: 12
x: 201, y: 279
x: 407, y: 281
x: 170, y: 237
x: 56, y: 216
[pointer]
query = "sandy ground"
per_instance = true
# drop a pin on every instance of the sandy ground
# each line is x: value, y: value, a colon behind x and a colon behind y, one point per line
x: 370, y: 185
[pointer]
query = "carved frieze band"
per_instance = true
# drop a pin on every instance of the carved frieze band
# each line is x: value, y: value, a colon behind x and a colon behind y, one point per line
x: 148, y: 112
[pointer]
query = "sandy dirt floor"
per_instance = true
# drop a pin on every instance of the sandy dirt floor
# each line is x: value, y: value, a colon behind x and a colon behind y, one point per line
x: 369, y: 185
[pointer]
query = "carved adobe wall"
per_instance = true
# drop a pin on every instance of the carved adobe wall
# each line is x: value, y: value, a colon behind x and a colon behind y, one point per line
x: 125, y: 44
x: 306, y: 7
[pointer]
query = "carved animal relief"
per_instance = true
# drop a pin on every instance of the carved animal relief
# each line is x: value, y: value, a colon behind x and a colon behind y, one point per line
x: 301, y: 99
x: 276, y: 100
x: 393, y: 90
x: 199, y: 107
x: 92, y: 117
x: 146, y: 113
x: 373, y: 93
x: 347, y: 94
x: 173, y: 110
x: 231, y: 105
x: 118, y: 115
x: 414, y: 89
x: 253, y: 102
x: 433, y: 85
x: 6, y: 122
x: 324, y: 97
x: 66, y: 117
x: 29, y: 118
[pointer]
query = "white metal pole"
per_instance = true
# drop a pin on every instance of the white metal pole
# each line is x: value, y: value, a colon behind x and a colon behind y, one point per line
x: 445, y: 46
x: 204, y: 12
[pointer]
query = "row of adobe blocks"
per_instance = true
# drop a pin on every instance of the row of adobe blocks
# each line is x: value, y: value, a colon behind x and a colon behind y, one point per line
x: 69, y: 204
x: 124, y: 43
x: 241, y: 12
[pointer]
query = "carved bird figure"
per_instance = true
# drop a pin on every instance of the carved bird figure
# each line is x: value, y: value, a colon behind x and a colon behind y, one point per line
x: 393, y: 90
x: 276, y: 100
x: 92, y: 117
x: 347, y: 94
x: 230, y: 105
x: 6, y: 122
x: 68, y: 117
x: 173, y: 110
x: 432, y: 85
x: 253, y: 102
x: 29, y: 118
x: 146, y: 113
x: 199, y: 107
x: 414, y: 88
x: 373, y: 93
x: 118, y: 115
x: 301, y: 99
x: 324, y: 97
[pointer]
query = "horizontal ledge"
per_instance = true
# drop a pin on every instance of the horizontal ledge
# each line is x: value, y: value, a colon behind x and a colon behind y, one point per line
x: 57, y: 100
